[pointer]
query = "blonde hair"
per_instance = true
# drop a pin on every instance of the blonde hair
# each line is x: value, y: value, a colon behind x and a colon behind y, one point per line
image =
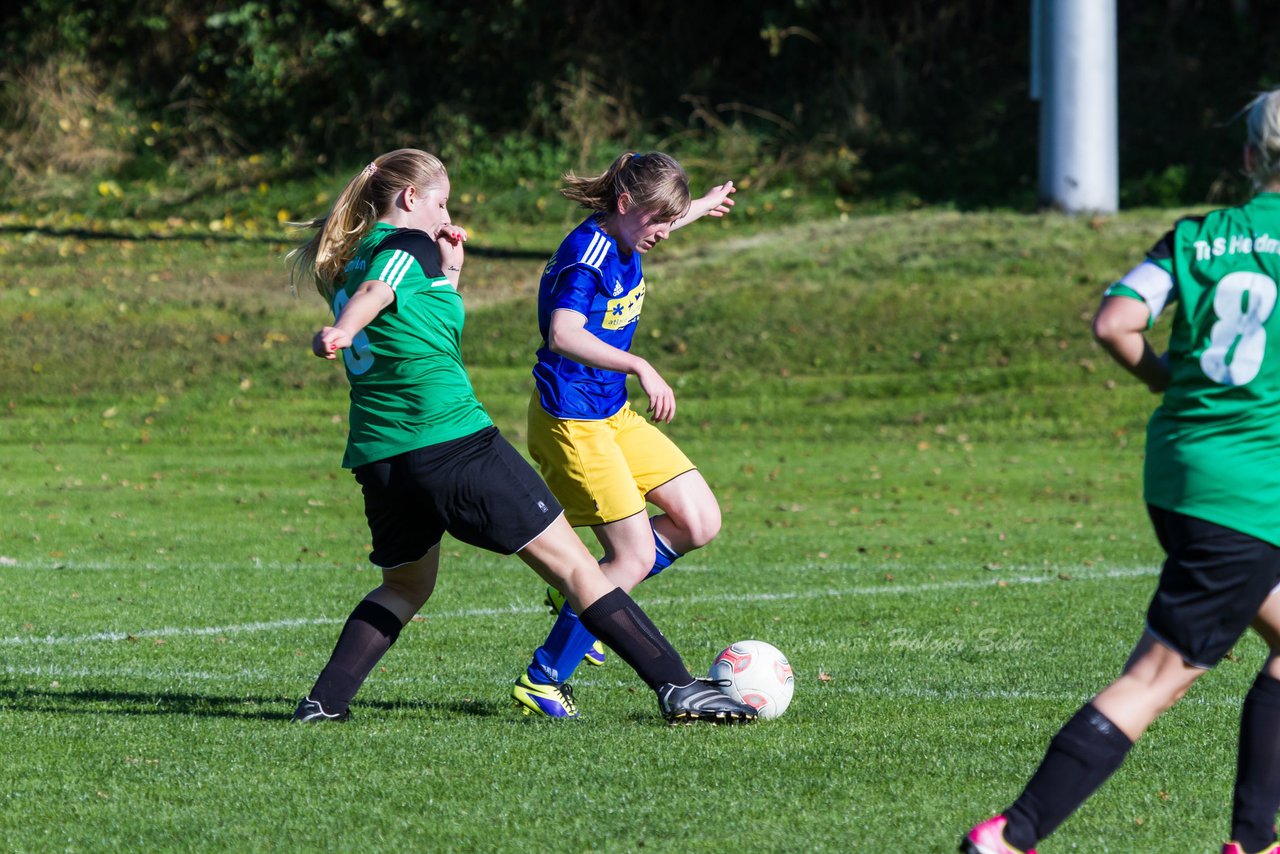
x: 1263, y: 122
x: 367, y: 197
x: 654, y: 181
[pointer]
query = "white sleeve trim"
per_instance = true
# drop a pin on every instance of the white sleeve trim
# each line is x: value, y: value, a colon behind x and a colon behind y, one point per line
x: 1152, y: 283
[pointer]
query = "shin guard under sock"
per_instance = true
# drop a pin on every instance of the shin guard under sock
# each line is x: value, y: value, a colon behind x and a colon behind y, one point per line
x: 568, y: 641
x: 562, y: 651
x: 1257, y: 792
x: 618, y: 621
x: 1085, y: 752
x: 367, y: 635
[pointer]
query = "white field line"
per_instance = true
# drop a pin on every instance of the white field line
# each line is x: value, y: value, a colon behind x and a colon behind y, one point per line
x: 168, y: 676
x: 923, y: 587
x: 9, y: 564
x: 52, y: 564
x: 712, y: 598
x: 915, y: 692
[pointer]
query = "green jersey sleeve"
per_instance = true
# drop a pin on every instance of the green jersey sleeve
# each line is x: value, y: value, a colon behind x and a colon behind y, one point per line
x: 1152, y: 281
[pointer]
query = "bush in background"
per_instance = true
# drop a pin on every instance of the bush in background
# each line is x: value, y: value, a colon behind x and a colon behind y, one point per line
x: 894, y: 102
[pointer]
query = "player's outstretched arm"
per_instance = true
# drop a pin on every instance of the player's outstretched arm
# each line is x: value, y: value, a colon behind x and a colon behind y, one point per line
x: 717, y: 202
x: 370, y: 298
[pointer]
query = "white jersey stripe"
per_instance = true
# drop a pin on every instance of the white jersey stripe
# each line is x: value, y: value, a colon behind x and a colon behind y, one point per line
x: 405, y: 267
x: 591, y: 248
x: 389, y: 269
x: 402, y: 261
x: 392, y: 259
x: 601, y: 252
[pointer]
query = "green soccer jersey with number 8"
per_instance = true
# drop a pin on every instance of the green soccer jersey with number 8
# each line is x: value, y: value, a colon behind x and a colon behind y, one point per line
x: 409, y: 388
x: 1213, y: 443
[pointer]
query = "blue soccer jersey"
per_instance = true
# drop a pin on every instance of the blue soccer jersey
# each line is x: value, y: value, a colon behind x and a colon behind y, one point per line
x: 586, y: 275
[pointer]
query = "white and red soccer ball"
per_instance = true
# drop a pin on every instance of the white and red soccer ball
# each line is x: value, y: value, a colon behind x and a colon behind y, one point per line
x: 756, y: 673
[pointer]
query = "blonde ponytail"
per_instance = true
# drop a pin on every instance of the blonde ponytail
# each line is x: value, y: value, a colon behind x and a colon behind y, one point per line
x: 366, y: 198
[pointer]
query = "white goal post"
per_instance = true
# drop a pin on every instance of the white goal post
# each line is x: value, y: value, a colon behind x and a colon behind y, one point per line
x: 1073, y: 76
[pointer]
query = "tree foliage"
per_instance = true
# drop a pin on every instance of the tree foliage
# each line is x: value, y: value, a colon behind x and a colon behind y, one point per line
x: 929, y: 95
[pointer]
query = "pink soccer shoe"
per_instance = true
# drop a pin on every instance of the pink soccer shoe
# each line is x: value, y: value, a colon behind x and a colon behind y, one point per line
x: 988, y: 838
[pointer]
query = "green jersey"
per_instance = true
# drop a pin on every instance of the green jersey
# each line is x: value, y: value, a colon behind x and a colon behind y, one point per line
x: 409, y: 388
x: 1213, y: 444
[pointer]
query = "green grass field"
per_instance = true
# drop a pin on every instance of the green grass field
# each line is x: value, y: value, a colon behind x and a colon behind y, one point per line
x: 932, y: 495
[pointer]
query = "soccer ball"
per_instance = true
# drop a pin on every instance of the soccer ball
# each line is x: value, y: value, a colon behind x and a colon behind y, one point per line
x: 757, y: 674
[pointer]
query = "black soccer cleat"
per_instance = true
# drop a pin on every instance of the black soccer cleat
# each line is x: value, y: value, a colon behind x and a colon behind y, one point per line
x: 310, y: 711
x: 702, y: 700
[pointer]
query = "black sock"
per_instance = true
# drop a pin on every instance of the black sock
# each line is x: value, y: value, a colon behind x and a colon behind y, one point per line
x: 618, y: 621
x: 1257, y: 795
x: 368, y: 634
x: 1085, y: 752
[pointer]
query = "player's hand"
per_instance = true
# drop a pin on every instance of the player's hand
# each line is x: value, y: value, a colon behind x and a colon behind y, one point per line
x: 720, y: 199
x: 662, y: 400
x: 328, y: 341
x: 450, y: 239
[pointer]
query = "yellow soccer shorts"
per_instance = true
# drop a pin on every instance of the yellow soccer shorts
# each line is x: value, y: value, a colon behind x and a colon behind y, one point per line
x: 601, y: 471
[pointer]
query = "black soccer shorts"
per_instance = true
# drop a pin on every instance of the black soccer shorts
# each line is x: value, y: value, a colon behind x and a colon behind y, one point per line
x: 1212, y: 584
x: 477, y: 488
